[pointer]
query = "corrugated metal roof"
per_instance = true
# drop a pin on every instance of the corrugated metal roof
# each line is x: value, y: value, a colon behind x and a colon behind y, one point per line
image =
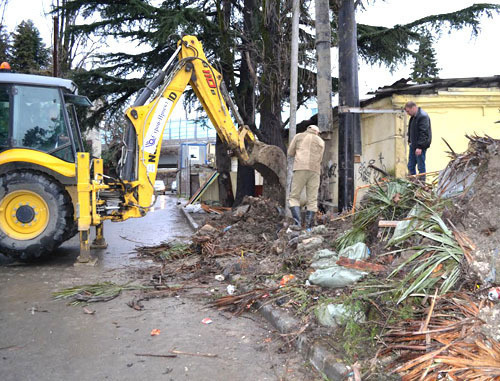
x: 406, y: 86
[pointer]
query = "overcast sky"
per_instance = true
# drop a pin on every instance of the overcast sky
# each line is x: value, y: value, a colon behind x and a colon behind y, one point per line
x: 459, y: 54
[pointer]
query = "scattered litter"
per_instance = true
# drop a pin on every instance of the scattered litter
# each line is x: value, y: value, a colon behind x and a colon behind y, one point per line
x: 207, y: 321
x: 242, y: 302
x: 219, y: 277
x: 36, y: 309
x: 88, y: 311
x: 494, y: 293
x: 155, y: 332
x: 197, y: 354
x: 227, y: 228
x: 214, y: 209
x: 231, y: 289
x: 360, y: 265
x: 335, y: 277
x: 155, y: 355
x: 358, y: 251
x: 286, y: 279
x: 194, y: 208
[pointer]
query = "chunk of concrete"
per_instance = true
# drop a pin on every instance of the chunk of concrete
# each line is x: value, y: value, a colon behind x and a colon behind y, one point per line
x: 241, y: 211
x: 320, y: 229
x: 310, y: 244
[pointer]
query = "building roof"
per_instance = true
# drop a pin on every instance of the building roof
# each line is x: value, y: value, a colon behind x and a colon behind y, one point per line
x: 406, y: 86
x: 38, y: 80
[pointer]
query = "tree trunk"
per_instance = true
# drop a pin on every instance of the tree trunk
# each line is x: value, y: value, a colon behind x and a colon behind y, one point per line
x: 223, y: 162
x: 246, y: 94
x: 246, y: 183
x: 271, y: 80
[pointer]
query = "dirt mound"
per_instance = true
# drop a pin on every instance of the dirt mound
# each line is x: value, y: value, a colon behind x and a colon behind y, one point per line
x: 476, y: 210
x: 253, y: 224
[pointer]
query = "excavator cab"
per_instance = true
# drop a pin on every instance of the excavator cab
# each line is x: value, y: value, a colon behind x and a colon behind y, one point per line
x: 40, y: 118
x: 39, y: 141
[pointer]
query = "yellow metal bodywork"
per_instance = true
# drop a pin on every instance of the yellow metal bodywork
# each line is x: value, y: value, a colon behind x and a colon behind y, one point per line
x: 41, y: 159
x: 15, y: 228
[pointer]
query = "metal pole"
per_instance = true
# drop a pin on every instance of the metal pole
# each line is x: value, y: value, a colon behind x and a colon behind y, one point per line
x: 55, y: 63
x: 324, y: 76
x: 294, y: 74
x: 348, y: 96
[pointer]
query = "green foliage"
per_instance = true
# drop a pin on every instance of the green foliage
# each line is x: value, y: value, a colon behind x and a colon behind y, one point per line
x: 425, y: 65
x: 392, y: 46
x: 175, y: 251
x: 387, y: 201
x: 437, y: 262
x: 29, y: 54
x: 98, y: 292
x: 4, y: 45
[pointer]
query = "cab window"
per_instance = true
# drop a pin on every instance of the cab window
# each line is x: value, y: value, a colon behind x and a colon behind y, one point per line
x: 4, y: 116
x: 38, y: 121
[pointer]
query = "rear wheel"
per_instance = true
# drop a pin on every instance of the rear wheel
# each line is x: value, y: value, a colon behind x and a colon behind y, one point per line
x: 36, y: 214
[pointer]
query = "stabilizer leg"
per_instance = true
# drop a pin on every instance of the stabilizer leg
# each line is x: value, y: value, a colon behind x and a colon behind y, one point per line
x: 85, y: 257
x: 99, y: 242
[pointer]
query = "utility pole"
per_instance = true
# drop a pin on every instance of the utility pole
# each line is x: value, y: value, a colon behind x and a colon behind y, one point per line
x: 324, y: 88
x: 294, y: 71
x: 349, y: 124
x: 324, y: 75
x: 55, y: 59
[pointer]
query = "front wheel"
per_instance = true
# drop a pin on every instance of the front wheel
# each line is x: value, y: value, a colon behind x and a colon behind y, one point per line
x: 36, y: 214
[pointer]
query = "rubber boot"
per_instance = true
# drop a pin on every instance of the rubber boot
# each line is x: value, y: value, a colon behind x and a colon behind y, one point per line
x: 296, y: 215
x: 309, y: 220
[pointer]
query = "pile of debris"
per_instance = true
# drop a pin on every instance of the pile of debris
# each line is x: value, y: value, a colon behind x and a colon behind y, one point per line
x: 410, y: 270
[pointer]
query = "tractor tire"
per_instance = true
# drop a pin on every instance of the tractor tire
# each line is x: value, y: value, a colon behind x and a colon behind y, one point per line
x: 36, y: 214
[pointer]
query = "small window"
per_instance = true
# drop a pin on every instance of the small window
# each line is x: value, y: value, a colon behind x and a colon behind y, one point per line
x: 4, y: 116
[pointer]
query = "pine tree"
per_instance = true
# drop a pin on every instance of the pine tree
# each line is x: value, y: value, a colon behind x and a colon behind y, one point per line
x: 425, y: 65
x: 29, y: 54
x: 4, y: 45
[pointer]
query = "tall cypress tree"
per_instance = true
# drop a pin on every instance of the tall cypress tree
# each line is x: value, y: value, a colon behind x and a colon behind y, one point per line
x: 425, y: 65
x: 29, y: 54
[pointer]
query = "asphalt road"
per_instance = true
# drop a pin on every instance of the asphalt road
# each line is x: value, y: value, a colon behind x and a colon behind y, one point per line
x: 45, y: 339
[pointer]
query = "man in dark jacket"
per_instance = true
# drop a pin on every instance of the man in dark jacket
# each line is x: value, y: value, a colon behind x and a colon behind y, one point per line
x: 419, y: 138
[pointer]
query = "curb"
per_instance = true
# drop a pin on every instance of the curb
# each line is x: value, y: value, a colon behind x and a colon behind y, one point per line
x: 317, y: 354
x: 192, y: 224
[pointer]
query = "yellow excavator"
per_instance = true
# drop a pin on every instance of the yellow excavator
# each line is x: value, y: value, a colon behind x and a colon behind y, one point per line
x: 51, y: 189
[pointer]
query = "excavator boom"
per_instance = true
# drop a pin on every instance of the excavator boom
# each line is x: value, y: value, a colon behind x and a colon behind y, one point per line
x: 132, y: 194
x: 148, y: 120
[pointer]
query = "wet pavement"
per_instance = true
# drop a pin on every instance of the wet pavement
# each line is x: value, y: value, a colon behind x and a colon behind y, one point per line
x: 45, y: 339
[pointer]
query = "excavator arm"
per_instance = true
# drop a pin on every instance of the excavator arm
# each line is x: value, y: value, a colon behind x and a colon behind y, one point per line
x: 149, y: 120
x: 132, y: 193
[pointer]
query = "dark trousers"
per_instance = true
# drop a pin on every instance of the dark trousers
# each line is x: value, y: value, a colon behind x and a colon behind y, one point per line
x: 416, y: 161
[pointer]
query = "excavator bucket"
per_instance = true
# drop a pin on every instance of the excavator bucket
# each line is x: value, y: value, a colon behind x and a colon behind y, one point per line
x: 271, y: 163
